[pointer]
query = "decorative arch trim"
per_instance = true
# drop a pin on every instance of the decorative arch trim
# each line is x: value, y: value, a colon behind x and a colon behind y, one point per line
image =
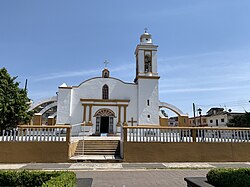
x: 104, y: 112
x: 172, y: 108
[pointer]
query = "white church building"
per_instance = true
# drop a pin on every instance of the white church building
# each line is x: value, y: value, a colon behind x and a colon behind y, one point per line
x: 102, y: 104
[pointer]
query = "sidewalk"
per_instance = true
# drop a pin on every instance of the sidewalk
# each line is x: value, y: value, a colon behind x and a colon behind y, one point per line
x: 124, y: 166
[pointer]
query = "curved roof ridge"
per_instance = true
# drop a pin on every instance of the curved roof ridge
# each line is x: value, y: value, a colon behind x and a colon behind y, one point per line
x: 102, y: 78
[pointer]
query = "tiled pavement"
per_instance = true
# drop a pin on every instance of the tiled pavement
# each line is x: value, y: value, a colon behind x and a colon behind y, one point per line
x: 139, y: 178
x: 130, y: 174
x: 124, y: 166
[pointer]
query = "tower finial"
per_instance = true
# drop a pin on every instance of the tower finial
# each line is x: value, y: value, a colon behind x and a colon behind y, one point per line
x: 145, y: 30
x: 106, y: 63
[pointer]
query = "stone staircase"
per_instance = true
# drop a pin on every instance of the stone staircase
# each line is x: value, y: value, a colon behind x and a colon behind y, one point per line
x: 97, y: 148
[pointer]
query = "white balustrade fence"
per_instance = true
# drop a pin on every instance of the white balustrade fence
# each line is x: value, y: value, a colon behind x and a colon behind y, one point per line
x: 40, y: 134
x: 223, y: 135
x: 168, y: 134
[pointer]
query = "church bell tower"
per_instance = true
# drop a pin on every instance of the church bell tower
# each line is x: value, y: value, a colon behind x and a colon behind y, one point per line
x: 147, y: 80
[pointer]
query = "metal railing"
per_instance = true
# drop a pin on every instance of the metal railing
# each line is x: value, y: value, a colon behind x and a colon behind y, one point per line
x: 32, y: 133
x: 185, y: 134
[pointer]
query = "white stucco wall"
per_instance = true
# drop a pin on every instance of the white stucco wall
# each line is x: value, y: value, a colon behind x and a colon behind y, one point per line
x: 148, y: 90
x: 217, y: 117
x: 63, y: 106
x: 154, y: 61
x: 92, y: 89
x: 140, y: 57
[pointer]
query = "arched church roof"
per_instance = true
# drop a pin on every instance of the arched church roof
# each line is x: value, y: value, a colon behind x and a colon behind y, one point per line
x: 102, y: 78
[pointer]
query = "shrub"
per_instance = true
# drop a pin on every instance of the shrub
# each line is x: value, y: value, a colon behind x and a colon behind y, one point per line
x: 37, y: 178
x: 229, y: 177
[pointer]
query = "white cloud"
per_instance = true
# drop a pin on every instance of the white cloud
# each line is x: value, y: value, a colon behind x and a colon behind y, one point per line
x: 180, y: 90
x: 89, y: 72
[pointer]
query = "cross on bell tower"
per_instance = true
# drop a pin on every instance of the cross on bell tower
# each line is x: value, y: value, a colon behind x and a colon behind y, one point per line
x: 106, y: 63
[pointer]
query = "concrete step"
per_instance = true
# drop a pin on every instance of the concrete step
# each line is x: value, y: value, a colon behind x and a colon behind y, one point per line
x: 98, y: 147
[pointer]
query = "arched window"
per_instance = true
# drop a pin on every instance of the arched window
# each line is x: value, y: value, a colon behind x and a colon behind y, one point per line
x: 105, y: 92
x: 148, y: 62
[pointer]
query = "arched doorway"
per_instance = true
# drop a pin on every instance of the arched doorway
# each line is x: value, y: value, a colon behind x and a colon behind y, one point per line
x: 104, y: 121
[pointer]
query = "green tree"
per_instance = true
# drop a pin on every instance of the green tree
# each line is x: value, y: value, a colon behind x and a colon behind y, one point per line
x: 14, y: 102
x: 240, y: 120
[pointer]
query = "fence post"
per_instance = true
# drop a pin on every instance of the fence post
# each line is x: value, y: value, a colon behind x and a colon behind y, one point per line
x: 68, y: 134
x: 125, y: 134
x: 193, y: 134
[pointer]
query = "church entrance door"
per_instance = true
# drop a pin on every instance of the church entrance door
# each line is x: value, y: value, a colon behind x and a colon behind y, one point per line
x: 104, y: 124
x: 104, y: 121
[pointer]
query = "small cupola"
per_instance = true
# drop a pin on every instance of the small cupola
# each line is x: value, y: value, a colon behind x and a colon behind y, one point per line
x: 105, y: 73
x: 145, y: 38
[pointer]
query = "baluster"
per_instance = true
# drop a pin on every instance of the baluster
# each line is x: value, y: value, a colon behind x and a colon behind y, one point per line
x: 40, y: 135
x: 51, y: 134
x: 7, y: 134
x: 218, y: 135
x: 163, y: 135
x: 149, y: 135
x: 158, y: 135
x: 199, y: 131
x: 46, y: 134
x: 225, y: 135
x: 54, y: 134
x: 247, y: 135
x: 17, y: 134
x: 129, y: 135
x: 176, y: 135
x: 14, y: 134
x: 43, y: 135
x: 241, y: 136
x: 10, y: 136
x: 170, y: 135
x: 213, y: 136
x: 235, y: 136
x: 59, y: 134
x: 244, y: 135
x: 136, y: 135
x: 143, y: 135
x: 3, y: 137
x: 32, y: 134
x: 155, y: 135
x: 22, y: 135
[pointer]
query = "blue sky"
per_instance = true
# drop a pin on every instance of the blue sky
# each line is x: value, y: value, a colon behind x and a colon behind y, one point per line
x: 203, y: 57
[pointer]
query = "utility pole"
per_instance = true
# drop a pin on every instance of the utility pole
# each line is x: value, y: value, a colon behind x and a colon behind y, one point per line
x: 194, y: 114
x: 26, y: 84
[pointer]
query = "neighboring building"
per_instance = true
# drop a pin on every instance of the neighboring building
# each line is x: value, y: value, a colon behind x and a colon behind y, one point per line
x: 173, y: 121
x: 216, y: 117
x: 200, y: 121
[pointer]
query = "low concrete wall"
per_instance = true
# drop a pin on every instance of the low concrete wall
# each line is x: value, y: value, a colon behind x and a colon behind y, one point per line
x: 20, y: 152
x: 186, y: 152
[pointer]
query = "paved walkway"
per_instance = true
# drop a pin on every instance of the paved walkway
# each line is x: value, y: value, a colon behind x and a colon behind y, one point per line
x: 147, y: 178
x: 131, y: 174
x: 125, y: 166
